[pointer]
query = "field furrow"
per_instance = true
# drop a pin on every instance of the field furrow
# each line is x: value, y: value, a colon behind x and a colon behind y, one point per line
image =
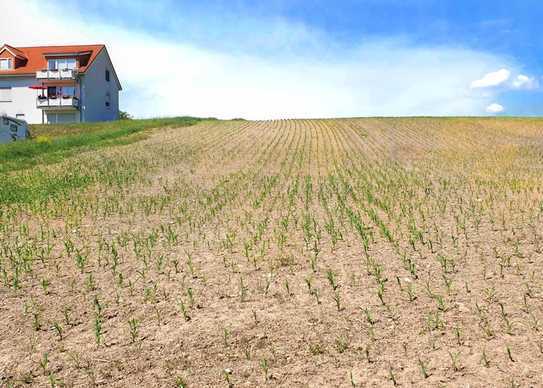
x: 300, y: 253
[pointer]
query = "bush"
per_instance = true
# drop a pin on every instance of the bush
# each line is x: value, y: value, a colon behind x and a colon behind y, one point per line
x: 125, y: 115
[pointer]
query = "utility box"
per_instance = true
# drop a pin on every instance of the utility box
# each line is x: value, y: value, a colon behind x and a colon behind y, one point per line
x: 12, y: 129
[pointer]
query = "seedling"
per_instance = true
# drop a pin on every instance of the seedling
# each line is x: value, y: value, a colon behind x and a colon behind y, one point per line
x: 369, y: 316
x: 337, y: 300
x: 391, y: 375
x: 180, y: 382
x: 98, y: 333
x: 287, y: 287
x: 226, y: 335
x: 342, y: 344
x: 509, y: 354
x: 423, y: 368
x: 265, y: 368
x: 184, y: 311
x: 44, y: 362
x: 458, y: 335
x: 484, y: 359
x: 381, y: 293
x: 58, y: 330
x: 411, y: 292
x: 455, y: 361
x: 332, y: 279
x: 133, y: 325
x: 45, y: 286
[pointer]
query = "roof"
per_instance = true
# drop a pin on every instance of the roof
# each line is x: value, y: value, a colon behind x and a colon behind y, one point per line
x: 14, y: 51
x: 36, y: 56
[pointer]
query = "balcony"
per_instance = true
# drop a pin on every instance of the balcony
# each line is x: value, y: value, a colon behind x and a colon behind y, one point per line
x: 64, y: 102
x: 56, y: 74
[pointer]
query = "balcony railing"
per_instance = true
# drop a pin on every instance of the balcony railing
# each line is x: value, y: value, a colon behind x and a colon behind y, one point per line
x: 57, y: 74
x: 57, y: 102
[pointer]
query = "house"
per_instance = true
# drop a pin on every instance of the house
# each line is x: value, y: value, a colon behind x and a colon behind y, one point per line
x: 58, y: 84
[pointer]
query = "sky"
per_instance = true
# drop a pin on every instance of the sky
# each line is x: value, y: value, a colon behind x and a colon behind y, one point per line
x: 278, y: 59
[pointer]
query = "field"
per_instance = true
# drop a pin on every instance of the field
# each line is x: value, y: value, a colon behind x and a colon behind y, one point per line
x: 299, y: 253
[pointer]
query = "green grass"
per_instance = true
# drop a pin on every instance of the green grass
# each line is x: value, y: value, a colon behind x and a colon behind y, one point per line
x: 20, y: 183
x: 54, y: 130
x: 54, y: 144
x: 39, y: 186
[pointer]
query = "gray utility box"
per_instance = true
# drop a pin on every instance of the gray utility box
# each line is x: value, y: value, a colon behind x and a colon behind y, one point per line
x: 12, y: 129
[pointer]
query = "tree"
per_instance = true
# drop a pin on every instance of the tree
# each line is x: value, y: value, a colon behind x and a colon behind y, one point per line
x: 124, y: 115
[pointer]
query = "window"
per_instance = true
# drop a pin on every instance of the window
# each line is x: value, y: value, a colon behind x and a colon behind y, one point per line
x: 68, y: 91
x: 51, y: 91
x: 67, y: 63
x: 52, y: 64
x: 60, y: 118
x: 61, y: 64
x: 108, y: 100
x: 5, y: 94
x: 107, y: 75
x: 5, y: 64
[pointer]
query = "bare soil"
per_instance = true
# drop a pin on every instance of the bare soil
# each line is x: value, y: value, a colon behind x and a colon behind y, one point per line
x: 295, y: 253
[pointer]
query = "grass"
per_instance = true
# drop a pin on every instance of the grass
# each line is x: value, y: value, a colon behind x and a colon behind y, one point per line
x: 51, y: 145
x: 54, y: 144
x: 54, y: 130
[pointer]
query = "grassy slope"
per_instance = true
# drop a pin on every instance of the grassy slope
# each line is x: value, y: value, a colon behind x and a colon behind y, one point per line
x: 52, y: 144
x: 53, y: 130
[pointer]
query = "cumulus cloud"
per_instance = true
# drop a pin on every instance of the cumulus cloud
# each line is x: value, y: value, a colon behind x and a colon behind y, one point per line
x: 165, y: 76
x: 495, y: 108
x: 492, y: 79
x: 524, y: 82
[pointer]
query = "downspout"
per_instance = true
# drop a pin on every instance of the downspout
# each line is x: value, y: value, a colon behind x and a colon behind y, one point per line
x: 80, y: 82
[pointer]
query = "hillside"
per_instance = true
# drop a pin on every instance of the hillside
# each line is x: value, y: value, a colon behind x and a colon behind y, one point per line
x: 297, y: 253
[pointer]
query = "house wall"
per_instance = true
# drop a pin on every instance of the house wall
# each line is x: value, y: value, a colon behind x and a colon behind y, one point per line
x: 94, y: 88
x: 23, y: 99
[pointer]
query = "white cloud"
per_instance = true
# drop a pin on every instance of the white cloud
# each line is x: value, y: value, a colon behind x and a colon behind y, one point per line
x: 524, y: 82
x: 495, y: 78
x: 495, y: 108
x: 170, y: 77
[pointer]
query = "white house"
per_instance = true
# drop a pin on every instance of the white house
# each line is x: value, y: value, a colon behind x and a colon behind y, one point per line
x: 58, y: 84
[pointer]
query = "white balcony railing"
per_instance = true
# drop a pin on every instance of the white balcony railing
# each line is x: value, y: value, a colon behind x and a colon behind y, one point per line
x: 57, y: 74
x: 58, y: 102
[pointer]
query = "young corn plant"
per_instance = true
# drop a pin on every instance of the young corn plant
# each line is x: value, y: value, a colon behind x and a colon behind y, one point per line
x: 184, y: 311
x: 423, y: 368
x: 265, y: 369
x: 133, y: 325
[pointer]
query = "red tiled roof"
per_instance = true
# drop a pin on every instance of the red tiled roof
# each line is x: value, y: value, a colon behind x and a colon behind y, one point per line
x: 14, y: 51
x: 36, y: 56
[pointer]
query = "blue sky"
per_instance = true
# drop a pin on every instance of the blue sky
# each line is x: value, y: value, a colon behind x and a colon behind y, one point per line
x: 296, y: 58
